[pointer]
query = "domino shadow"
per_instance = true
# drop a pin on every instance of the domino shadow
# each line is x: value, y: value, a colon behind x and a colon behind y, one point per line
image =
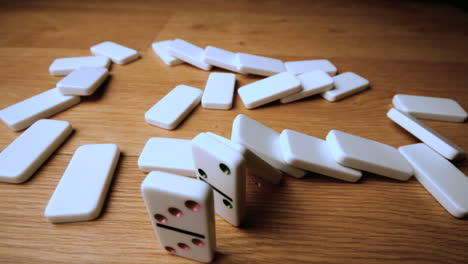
x: 99, y: 93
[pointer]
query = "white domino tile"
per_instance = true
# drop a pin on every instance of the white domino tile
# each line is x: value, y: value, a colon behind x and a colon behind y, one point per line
x: 259, y: 65
x: 263, y: 141
x: 346, y: 84
x: 269, y: 89
x: 434, y: 108
x: 21, y: 115
x: 64, y: 66
x: 174, y: 107
x: 189, y: 53
x: 219, y: 91
x: 427, y: 135
x: 299, y: 67
x: 83, y: 81
x: 20, y: 160
x: 161, y: 49
x: 117, y: 53
x: 313, y: 83
x: 168, y: 154
x: 221, y: 58
x: 441, y: 178
x: 81, y: 192
x: 368, y: 155
x: 313, y: 154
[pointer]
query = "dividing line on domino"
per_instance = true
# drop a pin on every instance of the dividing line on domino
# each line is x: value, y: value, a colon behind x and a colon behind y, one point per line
x: 117, y: 53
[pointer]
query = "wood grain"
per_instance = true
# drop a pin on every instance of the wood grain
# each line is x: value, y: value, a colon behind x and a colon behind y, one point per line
x: 401, y: 47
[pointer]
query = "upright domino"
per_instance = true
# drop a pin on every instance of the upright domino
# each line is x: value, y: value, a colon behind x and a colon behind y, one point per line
x: 269, y: 89
x: 221, y: 58
x: 224, y: 169
x: 425, y: 107
x: 219, y: 91
x: 263, y: 141
x: 299, y: 67
x: 312, y: 83
x: 259, y: 65
x: 368, y: 155
x: 161, y: 49
x: 20, y: 159
x: 427, y: 135
x: 169, y: 155
x: 174, y: 107
x: 64, y: 66
x: 21, y: 115
x: 117, y: 53
x: 346, y: 84
x: 83, y: 81
x: 441, y: 178
x: 182, y: 213
x: 189, y: 53
x: 81, y: 192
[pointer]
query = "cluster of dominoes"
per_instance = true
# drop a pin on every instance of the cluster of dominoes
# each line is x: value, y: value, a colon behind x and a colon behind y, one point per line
x: 287, y: 82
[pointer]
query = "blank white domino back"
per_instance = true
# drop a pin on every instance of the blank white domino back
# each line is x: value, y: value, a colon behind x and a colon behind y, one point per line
x: 182, y: 214
x: 81, y: 192
x: 346, y: 84
x: 23, y: 114
x: 368, y: 155
x: 161, y: 49
x: 259, y: 65
x: 263, y: 141
x: 64, y: 66
x: 427, y: 135
x: 117, y: 53
x: 83, y: 81
x: 441, y: 178
x: 20, y: 160
x: 312, y: 83
x: 219, y: 91
x: 189, y: 53
x: 168, y: 154
x: 425, y: 107
x: 174, y: 107
x: 221, y: 58
x: 299, y: 67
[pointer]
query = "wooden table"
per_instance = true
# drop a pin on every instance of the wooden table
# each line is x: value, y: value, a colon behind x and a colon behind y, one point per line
x: 401, y: 47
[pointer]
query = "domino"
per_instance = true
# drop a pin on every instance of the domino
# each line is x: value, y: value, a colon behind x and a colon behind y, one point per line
x: 64, y: 66
x: 313, y: 83
x: 20, y: 160
x: 170, y: 155
x: 346, y: 84
x: 312, y: 154
x: 161, y: 49
x: 441, y: 178
x: 224, y: 170
x: 117, y: 53
x: 82, y: 81
x: 81, y: 192
x: 259, y: 65
x: 189, y: 53
x: 219, y: 91
x: 368, y: 155
x: 221, y: 58
x: 269, y: 89
x: 174, y: 107
x: 434, y: 108
x: 21, y: 115
x: 263, y: 141
x: 182, y: 214
x: 299, y: 67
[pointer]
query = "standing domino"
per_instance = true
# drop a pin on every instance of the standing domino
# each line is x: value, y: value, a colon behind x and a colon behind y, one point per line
x: 299, y: 67
x: 313, y: 82
x: 182, y: 214
x: 83, y: 81
x: 221, y: 58
x: 259, y: 65
x: 161, y: 49
x: 346, y: 84
x: 189, y: 53
x: 219, y: 91
x: 117, y: 53
x: 64, y: 66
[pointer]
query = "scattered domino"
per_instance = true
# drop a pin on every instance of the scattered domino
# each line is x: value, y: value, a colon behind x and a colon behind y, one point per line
x: 263, y: 141
x: 117, y: 53
x: 313, y: 82
x: 368, y: 155
x: 221, y: 58
x: 219, y: 91
x: 21, y: 115
x: 427, y: 135
x: 259, y: 65
x: 189, y: 53
x: 81, y: 192
x: 174, y: 107
x: 441, y: 178
x: 20, y: 160
x: 161, y: 49
x: 434, y: 108
x: 269, y: 89
x: 82, y: 81
x: 299, y: 67
x: 64, y: 66
x: 169, y: 155
x: 346, y: 84
x: 182, y: 214
x: 313, y: 154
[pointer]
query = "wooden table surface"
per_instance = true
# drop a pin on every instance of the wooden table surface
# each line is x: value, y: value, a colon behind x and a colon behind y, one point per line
x: 401, y: 47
